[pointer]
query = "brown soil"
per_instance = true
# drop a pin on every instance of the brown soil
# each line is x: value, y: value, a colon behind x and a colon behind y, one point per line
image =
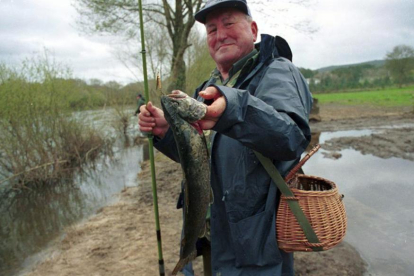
x: 120, y: 239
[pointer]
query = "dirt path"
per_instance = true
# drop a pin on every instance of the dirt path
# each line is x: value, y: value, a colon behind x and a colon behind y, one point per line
x: 120, y: 239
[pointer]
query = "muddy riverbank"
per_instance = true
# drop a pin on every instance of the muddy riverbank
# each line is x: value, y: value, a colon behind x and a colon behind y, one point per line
x: 120, y: 238
x: 389, y: 133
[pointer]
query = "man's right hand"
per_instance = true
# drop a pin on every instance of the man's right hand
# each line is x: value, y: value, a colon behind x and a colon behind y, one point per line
x: 151, y: 119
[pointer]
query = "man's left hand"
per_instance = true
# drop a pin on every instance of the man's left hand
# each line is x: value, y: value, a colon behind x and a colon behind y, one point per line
x: 215, y: 110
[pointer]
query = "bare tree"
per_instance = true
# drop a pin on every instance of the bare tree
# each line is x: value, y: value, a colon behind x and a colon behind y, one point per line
x: 168, y: 25
x: 158, y: 54
x: 121, y: 17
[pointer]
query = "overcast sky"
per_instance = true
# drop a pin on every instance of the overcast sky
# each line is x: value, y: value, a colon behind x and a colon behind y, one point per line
x: 347, y: 31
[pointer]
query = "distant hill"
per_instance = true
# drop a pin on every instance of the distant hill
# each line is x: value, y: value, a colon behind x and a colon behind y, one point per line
x: 376, y: 63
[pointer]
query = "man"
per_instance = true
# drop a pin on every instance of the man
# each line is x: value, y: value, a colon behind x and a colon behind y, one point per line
x: 140, y: 102
x: 257, y: 101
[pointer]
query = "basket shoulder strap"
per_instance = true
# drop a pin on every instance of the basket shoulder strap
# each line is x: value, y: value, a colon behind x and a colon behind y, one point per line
x: 293, y: 203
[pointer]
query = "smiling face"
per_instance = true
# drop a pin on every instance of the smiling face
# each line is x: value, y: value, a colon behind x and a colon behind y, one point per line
x: 230, y: 36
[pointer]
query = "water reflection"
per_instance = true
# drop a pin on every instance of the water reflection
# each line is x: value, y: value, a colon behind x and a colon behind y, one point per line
x: 378, y: 199
x: 30, y: 219
x: 317, y: 138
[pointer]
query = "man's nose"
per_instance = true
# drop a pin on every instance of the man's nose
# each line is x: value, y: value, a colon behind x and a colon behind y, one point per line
x: 221, y: 34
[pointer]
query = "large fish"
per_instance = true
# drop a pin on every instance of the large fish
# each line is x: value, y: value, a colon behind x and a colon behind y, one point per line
x: 182, y: 113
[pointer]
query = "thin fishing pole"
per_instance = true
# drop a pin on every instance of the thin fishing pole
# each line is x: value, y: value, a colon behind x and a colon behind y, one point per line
x: 151, y: 150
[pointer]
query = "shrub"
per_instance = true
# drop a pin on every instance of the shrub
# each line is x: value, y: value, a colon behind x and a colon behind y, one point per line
x: 40, y: 140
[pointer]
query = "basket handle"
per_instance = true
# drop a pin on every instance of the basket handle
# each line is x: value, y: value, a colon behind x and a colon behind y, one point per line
x: 291, y: 200
x: 302, y: 162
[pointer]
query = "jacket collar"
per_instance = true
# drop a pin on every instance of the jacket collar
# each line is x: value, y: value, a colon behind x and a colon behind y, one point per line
x: 267, y: 48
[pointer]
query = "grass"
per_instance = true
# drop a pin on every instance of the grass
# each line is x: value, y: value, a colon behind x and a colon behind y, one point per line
x: 389, y: 97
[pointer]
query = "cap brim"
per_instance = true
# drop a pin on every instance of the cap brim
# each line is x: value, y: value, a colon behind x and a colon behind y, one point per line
x: 201, y: 16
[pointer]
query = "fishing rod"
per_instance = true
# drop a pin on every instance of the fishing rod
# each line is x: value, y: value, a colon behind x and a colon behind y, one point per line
x: 151, y: 149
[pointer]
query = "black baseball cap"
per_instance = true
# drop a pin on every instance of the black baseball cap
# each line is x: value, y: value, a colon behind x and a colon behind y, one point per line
x: 201, y: 15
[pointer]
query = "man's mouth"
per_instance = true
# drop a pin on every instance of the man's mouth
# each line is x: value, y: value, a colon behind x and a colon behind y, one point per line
x: 224, y: 45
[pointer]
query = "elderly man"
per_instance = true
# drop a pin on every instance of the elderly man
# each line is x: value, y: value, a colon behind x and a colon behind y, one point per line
x: 258, y: 101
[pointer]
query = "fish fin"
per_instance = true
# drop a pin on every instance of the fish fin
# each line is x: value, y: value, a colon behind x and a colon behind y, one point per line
x: 211, y: 196
x: 182, y: 262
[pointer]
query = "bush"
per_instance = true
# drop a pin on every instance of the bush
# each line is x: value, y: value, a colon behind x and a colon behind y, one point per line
x: 40, y: 140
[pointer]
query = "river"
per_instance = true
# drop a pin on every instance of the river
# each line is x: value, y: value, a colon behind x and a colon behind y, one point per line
x: 33, y: 218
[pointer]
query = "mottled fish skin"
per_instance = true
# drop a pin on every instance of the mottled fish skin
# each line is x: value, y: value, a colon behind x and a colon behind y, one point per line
x: 181, y: 111
x: 188, y: 108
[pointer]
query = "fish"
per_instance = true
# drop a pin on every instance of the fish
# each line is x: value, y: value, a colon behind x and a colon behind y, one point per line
x: 182, y: 113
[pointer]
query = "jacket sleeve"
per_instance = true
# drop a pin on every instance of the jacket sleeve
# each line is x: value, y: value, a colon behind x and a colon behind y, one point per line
x: 273, y: 119
x: 167, y: 145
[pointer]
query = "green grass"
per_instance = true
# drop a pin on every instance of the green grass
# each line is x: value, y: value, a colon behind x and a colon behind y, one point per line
x: 390, y: 97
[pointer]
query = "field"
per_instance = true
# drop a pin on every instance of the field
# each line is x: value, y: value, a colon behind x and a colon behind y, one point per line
x: 389, y: 97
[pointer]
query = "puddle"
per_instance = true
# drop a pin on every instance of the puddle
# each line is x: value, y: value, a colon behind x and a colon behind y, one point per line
x: 379, y: 203
x: 325, y: 136
x: 406, y: 125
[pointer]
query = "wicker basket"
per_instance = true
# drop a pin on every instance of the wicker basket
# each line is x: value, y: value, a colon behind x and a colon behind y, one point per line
x: 322, y: 205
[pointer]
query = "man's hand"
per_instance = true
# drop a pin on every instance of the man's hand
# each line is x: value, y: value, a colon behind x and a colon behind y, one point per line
x: 151, y: 119
x: 215, y: 110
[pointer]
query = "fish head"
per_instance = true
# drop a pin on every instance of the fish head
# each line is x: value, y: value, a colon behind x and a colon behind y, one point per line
x: 170, y: 108
x: 188, y: 108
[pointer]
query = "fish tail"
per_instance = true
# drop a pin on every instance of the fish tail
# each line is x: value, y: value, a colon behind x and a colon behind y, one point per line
x: 182, y: 262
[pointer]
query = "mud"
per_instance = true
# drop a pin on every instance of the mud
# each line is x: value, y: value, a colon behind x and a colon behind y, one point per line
x: 392, y: 131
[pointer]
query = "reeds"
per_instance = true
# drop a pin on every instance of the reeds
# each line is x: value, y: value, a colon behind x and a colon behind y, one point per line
x: 40, y: 140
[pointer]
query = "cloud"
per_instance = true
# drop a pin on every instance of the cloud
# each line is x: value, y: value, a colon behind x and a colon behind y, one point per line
x: 28, y: 28
x: 348, y: 32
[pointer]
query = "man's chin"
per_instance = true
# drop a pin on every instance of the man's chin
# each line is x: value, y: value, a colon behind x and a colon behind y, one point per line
x: 227, y: 59
x: 226, y: 56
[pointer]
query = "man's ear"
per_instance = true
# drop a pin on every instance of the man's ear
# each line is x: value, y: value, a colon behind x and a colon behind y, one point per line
x: 254, y: 30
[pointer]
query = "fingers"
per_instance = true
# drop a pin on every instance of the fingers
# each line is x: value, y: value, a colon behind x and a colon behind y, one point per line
x: 216, y: 109
x: 177, y: 94
x: 210, y: 93
x: 214, y: 112
x: 206, y: 124
x: 143, y: 110
x: 152, y: 109
x: 151, y: 119
x: 146, y: 120
x: 146, y: 124
x: 145, y: 114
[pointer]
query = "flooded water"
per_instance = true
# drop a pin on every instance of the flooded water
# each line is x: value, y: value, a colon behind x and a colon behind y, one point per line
x: 31, y: 219
x: 379, y: 200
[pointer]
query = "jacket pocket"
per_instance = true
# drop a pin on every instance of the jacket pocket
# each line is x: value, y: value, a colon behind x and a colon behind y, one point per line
x: 254, y: 240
